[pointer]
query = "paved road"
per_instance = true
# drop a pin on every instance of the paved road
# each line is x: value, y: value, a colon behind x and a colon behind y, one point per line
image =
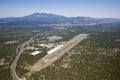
x: 50, y: 58
x: 19, y: 51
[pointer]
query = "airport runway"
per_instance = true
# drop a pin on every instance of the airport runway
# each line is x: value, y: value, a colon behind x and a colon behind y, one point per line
x: 50, y: 58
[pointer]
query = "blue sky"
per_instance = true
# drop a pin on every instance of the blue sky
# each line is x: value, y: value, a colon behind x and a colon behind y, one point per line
x: 92, y: 8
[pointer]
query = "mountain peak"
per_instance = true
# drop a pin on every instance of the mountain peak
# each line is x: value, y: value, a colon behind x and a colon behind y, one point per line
x: 49, y: 18
x: 37, y: 13
x: 43, y: 15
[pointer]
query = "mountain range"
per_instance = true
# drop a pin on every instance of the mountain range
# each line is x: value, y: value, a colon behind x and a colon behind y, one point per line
x: 53, y: 18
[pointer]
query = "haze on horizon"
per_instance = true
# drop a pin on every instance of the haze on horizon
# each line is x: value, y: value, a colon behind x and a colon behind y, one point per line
x: 69, y: 8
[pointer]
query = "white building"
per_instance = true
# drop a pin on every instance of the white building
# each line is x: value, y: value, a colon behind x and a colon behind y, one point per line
x: 54, y: 49
x: 35, y: 53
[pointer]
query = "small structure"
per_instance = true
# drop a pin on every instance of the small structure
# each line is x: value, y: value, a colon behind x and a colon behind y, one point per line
x: 36, y: 48
x: 50, y: 45
x: 42, y: 45
x: 35, y: 53
x: 31, y: 48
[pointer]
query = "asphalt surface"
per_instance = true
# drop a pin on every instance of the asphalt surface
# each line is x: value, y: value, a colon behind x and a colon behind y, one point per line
x: 50, y: 58
x: 20, y: 49
x: 14, y: 64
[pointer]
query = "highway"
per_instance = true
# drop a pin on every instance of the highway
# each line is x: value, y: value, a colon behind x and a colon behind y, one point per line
x: 20, y: 49
x: 50, y: 58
